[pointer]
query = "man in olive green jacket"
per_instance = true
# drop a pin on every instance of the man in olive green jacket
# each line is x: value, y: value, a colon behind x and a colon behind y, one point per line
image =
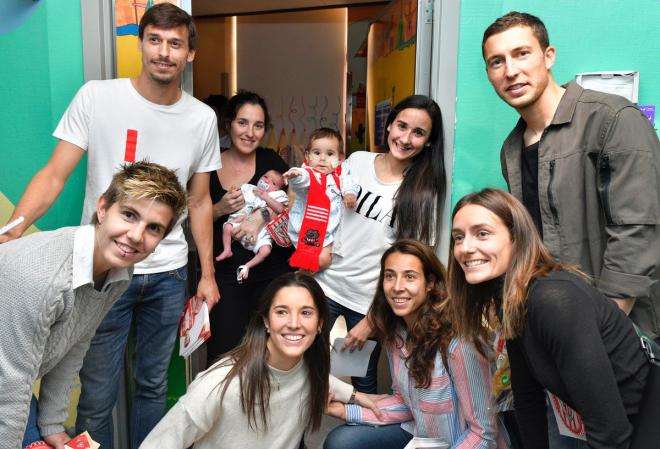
x: 585, y: 164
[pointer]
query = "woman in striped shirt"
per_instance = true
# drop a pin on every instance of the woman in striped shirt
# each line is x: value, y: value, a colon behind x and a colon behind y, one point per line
x: 441, y: 384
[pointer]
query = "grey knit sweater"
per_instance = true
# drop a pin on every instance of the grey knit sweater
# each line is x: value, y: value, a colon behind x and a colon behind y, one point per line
x: 45, y: 329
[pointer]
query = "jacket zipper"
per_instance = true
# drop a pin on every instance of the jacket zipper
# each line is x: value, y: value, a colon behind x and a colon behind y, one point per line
x: 605, y: 178
x: 551, y: 197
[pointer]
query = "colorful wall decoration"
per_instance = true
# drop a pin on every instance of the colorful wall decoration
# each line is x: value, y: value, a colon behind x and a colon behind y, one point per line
x: 296, y: 62
x: 397, y: 28
x: 294, y: 118
x: 391, y: 56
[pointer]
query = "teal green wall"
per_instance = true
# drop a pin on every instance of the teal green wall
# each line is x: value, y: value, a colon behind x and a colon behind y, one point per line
x: 590, y: 35
x: 41, y: 70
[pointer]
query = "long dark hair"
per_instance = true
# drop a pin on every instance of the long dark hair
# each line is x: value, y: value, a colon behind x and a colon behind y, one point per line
x: 248, y: 360
x: 529, y: 259
x: 421, y: 195
x: 432, y: 331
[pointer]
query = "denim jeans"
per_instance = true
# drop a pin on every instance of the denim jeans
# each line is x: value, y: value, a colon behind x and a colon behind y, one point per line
x: 350, y: 436
x: 155, y: 302
x: 32, y: 433
x: 368, y: 383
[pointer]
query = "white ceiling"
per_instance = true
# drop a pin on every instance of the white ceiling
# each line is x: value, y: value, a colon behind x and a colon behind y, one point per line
x: 230, y: 7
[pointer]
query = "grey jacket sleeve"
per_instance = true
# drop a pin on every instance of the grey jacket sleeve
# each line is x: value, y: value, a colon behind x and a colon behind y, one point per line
x: 629, y: 188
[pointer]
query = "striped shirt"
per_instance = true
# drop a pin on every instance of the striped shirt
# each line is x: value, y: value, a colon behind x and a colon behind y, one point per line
x: 456, y: 407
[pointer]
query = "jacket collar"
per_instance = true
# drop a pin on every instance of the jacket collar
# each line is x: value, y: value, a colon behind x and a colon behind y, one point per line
x: 563, y: 114
x: 513, y: 145
x: 567, y: 104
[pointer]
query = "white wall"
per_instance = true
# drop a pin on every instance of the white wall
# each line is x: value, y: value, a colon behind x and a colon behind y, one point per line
x: 297, y: 62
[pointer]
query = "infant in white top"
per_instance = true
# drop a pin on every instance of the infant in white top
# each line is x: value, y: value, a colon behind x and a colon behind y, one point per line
x: 267, y: 195
x: 313, y: 219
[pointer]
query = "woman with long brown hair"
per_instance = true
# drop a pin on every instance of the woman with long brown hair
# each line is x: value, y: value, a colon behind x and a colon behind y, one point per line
x: 440, y: 382
x: 268, y: 390
x: 562, y: 335
x: 400, y: 195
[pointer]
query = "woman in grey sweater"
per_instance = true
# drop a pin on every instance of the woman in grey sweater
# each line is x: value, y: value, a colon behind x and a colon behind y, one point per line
x: 264, y: 393
x: 55, y: 287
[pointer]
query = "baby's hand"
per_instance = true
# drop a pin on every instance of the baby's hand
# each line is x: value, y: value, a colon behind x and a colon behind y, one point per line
x: 349, y: 200
x: 291, y: 173
x: 260, y: 193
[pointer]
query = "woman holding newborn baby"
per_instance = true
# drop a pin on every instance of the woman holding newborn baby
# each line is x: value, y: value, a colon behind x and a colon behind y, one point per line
x: 244, y: 162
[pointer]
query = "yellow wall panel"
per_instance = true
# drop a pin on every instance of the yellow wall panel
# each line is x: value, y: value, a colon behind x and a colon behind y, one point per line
x: 129, y: 62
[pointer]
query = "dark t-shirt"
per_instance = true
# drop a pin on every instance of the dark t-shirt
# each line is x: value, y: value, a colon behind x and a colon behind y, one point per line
x: 278, y: 260
x: 529, y: 169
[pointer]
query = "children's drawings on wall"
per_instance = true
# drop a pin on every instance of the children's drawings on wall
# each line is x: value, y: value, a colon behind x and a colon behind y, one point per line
x: 397, y: 29
x: 335, y: 115
x: 409, y: 26
x: 269, y: 140
x: 291, y: 127
x: 296, y: 61
x: 312, y: 117
x: 127, y: 16
x: 282, y: 142
x: 302, y: 122
x: 292, y: 111
x: 323, y: 121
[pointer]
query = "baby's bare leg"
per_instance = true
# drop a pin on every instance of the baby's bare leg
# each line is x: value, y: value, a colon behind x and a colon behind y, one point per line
x: 226, y: 242
x: 260, y: 256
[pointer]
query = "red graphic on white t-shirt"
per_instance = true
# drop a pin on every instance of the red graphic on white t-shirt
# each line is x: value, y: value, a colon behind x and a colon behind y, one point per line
x: 131, y: 145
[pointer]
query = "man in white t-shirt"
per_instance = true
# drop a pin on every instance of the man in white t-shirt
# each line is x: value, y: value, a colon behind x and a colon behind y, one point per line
x: 122, y: 120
